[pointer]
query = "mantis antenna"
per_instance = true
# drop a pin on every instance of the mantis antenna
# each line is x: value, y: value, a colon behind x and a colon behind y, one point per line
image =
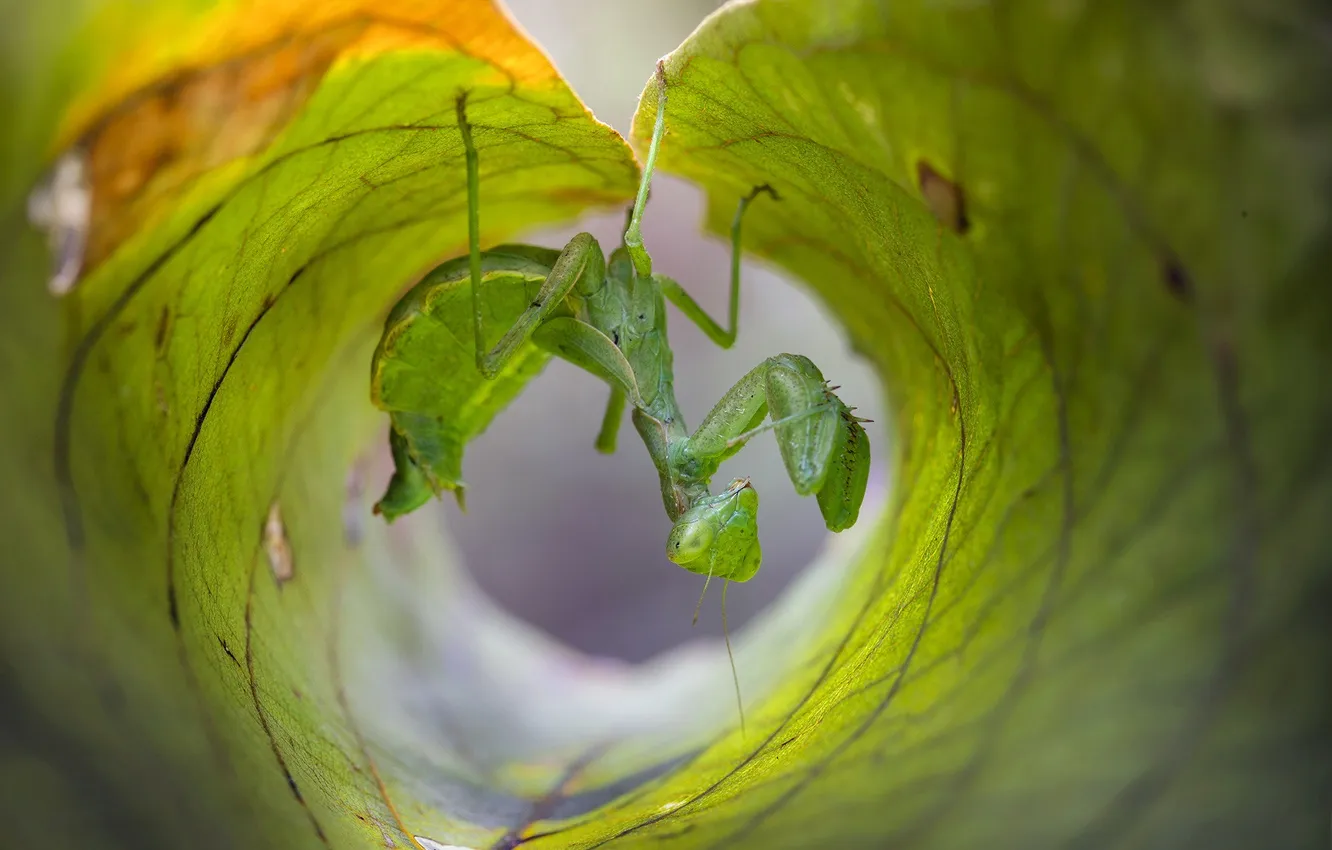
x: 698, y: 607
x: 726, y: 635
x: 735, y: 675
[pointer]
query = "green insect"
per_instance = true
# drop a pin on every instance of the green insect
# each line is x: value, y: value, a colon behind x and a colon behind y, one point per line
x: 441, y: 389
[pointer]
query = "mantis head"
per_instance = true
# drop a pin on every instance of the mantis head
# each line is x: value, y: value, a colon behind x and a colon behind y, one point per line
x: 719, y: 535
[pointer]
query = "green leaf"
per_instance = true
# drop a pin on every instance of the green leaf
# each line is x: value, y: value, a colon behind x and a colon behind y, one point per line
x: 1084, y: 245
x: 179, y: 429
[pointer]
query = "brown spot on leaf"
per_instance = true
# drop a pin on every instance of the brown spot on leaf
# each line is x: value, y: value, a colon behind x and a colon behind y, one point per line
x: 944, y: 198
x: 173, y: 607
x: 583, y: 196
x: 278, y: 547
x: 1177, y: 280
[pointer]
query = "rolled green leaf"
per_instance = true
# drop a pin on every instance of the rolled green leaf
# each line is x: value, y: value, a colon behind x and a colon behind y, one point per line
x: 1085, y: 246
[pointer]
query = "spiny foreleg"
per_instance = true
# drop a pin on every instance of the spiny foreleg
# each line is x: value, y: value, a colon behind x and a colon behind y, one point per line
x: 823, y: 444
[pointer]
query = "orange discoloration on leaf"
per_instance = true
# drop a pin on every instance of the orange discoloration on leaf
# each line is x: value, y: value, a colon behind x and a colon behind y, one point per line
x: 588, y: 196
x: 162, y: 42
x: 192, y: 96
x: 475, y: 28
x: 156, y: 144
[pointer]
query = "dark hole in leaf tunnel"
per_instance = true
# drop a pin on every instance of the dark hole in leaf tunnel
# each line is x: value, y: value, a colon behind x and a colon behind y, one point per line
x: 944, y: 197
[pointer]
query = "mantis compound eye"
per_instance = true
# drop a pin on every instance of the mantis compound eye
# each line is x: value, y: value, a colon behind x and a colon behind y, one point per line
x: 691, y: 536
x: 719, y: 535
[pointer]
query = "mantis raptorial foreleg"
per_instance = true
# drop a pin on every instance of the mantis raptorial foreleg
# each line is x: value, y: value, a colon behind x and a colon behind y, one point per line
x: 823, y: 447
x: 580, y: 265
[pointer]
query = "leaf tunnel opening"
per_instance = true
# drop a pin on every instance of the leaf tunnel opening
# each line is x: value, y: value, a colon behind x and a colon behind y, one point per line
x: 545, y: 625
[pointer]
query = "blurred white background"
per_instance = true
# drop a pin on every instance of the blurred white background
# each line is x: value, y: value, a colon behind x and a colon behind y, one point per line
x: 571, y: 540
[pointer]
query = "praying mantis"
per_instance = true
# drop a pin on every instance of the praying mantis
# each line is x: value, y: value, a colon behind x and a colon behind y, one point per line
x: 609, y: 318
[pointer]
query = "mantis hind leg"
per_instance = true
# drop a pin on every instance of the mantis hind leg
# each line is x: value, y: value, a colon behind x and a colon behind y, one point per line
x: 581, y: 264
x: 676, y: 294
x: 473, y: 220
x: 610, y: 421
